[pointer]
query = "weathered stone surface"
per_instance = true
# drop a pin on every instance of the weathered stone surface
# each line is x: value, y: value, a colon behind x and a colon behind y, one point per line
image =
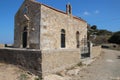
x: 51, y: 24
x: 58, y: 60
x: 87, y: 61
x: 44, y: 26
x: 31, y: 20
x: 73, y: 72
x: 28, y: 59
x: 96, y: 51
x: 56, y: 77
x: 53, y: 77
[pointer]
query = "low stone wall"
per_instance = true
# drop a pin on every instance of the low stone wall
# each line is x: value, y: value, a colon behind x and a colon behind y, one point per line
x: 28, y: 59
x: 95, y: 51
x: 57, y: 60
x: 40, y: 62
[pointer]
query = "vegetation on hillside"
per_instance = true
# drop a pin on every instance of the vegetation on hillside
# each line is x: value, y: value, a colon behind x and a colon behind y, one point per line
x: 98, y: 36
x: 115, y: 38
x: 105, y: 38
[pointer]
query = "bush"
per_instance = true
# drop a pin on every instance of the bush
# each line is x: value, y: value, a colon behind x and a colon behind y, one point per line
x: 37, y: 79
x: 115, y: 38
x: 23, y: 77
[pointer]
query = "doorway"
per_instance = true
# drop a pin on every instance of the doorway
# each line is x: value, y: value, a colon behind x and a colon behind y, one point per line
x: 24, y: 37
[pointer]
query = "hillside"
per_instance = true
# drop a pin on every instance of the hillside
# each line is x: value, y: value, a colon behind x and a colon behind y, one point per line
x: 105, y: 38
x: 98, y: 36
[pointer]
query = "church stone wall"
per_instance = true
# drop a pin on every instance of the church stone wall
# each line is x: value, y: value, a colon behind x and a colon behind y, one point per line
x: 52, y: 22
x: 57, y: 60
x: 33, y: 24
x: 44, y: 28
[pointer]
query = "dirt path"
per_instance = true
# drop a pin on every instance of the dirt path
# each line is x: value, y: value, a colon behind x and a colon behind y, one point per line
x: 107, y: 67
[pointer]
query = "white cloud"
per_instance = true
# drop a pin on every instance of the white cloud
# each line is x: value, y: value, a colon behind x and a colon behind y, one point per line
x: 96, y: 11
x: 86, y: 13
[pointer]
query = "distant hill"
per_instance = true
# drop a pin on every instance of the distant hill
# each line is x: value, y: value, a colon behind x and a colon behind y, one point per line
x: 99, y: 36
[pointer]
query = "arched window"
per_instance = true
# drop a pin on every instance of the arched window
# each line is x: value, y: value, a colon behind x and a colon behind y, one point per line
x: 62, y: 38
x: 77, y: 39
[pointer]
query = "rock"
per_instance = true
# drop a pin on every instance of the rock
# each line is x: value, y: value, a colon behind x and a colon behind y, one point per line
x: 53, y: 77
x: 67, y: 78
x: 62, y: 73
x: 88, y: 62
x: 56, y: 77
x: 73, y: 72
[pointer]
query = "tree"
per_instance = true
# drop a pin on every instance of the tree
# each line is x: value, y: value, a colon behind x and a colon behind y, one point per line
x: 115, y: 38
x: 94, y: 27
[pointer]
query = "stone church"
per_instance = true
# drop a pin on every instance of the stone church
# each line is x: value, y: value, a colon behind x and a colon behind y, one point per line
x: 57, y: 34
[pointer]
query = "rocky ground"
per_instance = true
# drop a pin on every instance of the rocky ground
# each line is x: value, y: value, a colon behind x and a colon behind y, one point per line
x: 11, y: 72
x: 105, y: 67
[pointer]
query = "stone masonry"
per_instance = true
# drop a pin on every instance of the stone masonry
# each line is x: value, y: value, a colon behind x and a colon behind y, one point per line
x: 57, y: 34
x: 44, y: 25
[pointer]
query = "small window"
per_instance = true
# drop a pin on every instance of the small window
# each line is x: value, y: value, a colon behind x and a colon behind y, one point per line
x: 25, y: 10
x: 62, y: 38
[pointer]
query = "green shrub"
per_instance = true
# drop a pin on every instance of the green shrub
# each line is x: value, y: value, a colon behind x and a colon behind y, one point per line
x: 115, y: 38
x: 23, y: 77
x: 37, y: 78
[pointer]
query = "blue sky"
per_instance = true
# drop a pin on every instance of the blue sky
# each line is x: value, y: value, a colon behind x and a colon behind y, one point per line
x: 103, y: 13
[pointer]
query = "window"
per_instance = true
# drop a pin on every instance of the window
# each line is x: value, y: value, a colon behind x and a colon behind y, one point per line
x: 77, y: 39
x: 62, y: 38
x: 25, y: 10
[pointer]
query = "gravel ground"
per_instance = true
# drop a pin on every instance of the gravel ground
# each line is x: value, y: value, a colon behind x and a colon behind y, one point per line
x: 106, y: 67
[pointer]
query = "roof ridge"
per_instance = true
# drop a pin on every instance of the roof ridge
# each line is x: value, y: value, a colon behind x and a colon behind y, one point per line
x: 75, y: 17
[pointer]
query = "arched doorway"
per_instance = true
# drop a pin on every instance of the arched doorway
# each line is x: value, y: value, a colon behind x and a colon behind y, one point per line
x: 24, y: 37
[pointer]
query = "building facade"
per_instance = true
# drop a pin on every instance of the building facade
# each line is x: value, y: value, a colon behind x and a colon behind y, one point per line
x: 58, y: 35
x: 38, y: 26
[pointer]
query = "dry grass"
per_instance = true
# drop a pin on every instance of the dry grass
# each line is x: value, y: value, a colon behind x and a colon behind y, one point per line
x: 11, y: 72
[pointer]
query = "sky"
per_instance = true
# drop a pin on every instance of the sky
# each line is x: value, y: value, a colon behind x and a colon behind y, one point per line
x: 103, y: 13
